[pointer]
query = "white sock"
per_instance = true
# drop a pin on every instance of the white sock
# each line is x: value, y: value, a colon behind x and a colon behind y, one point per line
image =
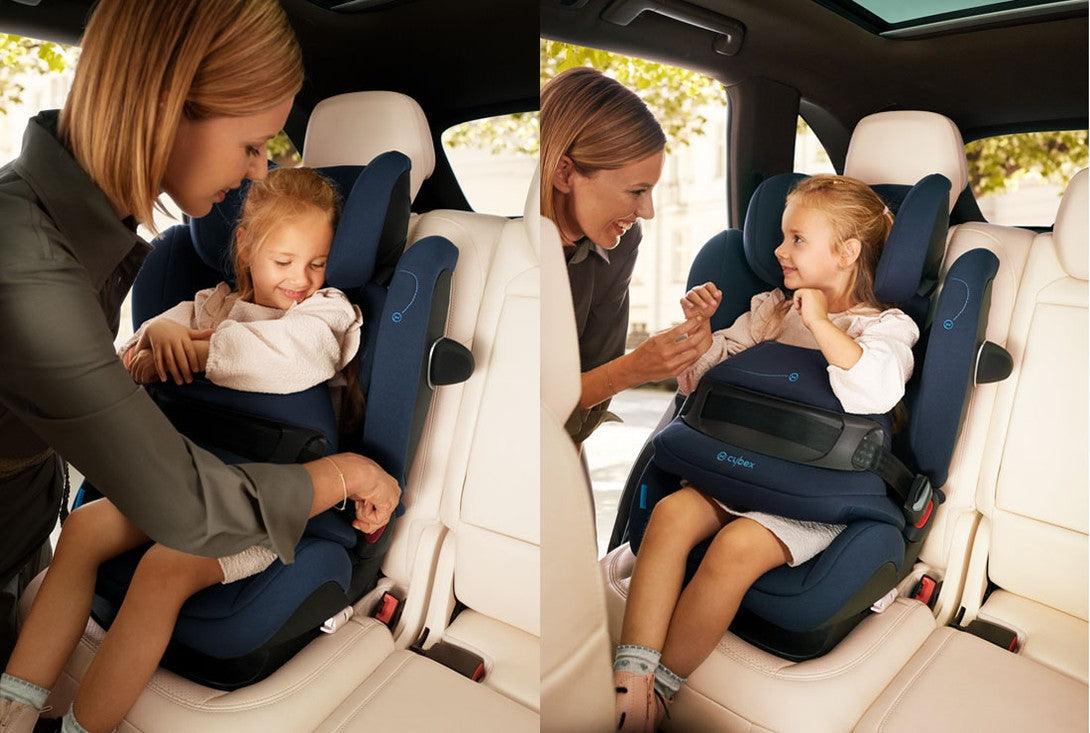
x: 635, y: 658
x: 667, y: 682
x: 19, y: 690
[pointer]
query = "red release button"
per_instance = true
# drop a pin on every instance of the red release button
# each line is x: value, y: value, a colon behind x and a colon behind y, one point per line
x: 387, y: 608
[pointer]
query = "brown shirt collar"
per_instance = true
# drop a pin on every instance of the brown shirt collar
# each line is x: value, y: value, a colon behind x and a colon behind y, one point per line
x: 79, y: 208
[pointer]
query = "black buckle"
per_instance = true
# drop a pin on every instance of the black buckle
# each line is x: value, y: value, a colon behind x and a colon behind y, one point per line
x: 462, y: 661
x: 1001, y: 636
x: 918, y: 508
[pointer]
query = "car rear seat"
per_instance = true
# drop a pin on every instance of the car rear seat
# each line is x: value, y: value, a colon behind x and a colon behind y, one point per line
x: 741, y: 688
x: 1032, y: 540
x: 362, y: 673
x: 576, y: 675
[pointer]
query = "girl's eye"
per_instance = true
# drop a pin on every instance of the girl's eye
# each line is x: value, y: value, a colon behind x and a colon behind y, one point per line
x: 798, y: 239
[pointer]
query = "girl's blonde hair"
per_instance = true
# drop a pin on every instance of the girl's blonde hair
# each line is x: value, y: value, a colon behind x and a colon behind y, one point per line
x: 597, y: 122
x: 145, y: 63
x: 282, y: 195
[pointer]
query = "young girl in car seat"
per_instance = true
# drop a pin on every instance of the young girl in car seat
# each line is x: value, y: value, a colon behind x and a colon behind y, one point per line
x: 834, y: 228
x: 277, y: 331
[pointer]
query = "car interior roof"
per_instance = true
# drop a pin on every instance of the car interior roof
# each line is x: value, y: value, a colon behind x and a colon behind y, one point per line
x: 1009, y: 78
x: 460, y: 61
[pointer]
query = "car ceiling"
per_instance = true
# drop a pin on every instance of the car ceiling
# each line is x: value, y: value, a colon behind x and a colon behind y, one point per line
x: 988, y: 80
x: 459, y: 60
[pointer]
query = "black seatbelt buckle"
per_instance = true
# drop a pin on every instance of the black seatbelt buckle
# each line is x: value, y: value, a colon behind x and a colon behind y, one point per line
x: 388, y: 609
x: 926, y: 590
x: 1001, y: 636
x: 462, y: 661
x: 918, y: 508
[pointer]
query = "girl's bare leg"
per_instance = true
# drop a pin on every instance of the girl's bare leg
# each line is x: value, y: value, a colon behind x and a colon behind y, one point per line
x: 163, y: 581
x: 91, y: 535
x: 740, y: 553
x: 678, y: 523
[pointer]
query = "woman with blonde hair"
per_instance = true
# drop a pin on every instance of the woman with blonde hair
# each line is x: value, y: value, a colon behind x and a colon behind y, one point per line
x: 601, y: 155
x: 178, y: 97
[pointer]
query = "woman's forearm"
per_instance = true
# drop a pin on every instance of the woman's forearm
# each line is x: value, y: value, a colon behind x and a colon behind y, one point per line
x: 839, y: 348
x: 601, y: 383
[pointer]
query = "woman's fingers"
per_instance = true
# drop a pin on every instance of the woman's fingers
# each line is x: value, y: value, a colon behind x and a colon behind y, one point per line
x: 160, y: 369
x: 181, y: 361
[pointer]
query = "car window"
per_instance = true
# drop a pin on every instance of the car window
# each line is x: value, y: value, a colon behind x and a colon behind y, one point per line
x: 494, y: 159
x: 810, y: 155
x: 1018, y: 179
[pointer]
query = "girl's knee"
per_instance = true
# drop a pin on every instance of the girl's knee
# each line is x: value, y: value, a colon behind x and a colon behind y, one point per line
x: 679, y: 517
x: 746, y: 547
x: 168, y: 569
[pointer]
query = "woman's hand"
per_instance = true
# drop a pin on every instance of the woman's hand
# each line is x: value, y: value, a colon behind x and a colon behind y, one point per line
x: 668, y: 353
x: 171, y: 345
x: 368, y: 484
x: 368, y: 517
x: 812, y: 306
x: 703, y: 300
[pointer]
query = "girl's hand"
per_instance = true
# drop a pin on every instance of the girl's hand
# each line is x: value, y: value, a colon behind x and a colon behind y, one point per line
x: 703, y: 300
x: 812, y: 306
x: 142, y: 366
x: 171, y: 344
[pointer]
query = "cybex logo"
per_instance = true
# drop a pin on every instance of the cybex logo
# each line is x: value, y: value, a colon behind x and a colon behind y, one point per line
x: 724, y: 457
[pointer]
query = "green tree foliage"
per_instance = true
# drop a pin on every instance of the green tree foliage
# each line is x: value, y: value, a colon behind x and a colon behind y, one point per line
x: 20, y: 56
x: 997, y: 164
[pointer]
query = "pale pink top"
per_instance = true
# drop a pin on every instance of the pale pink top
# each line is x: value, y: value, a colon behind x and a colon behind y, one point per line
x: 874, y: 385
x: 255, y: 348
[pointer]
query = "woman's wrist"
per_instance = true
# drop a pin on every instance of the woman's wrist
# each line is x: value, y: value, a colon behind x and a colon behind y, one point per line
x: 328, y: 490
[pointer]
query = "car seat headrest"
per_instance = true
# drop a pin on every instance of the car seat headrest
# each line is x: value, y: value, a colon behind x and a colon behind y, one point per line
x: 904, y: 146
x: 351, y: 129
x: 374, y: 219
x: 912, y: 253
x: 1070, y: 233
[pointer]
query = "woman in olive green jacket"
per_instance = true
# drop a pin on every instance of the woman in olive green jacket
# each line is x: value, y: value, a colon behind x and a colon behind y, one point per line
x: 172, y: 97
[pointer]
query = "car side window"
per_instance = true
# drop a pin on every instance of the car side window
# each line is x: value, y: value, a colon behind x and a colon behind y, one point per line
x: 494, y: 159
x: 1018, y: 179
x: 810, y: 155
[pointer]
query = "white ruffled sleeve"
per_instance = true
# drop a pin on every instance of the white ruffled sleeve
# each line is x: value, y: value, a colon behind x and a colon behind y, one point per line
x: 308, y: 345
x: 876, y: 383
x: 729, y: 341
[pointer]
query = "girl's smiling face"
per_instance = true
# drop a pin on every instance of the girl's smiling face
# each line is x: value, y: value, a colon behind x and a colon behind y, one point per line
x: 605, y: 204
x: 809, y: 255
x: 290, y: 265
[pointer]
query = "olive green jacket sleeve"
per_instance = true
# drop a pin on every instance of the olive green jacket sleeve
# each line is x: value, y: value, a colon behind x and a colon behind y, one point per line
x: 60, y: 377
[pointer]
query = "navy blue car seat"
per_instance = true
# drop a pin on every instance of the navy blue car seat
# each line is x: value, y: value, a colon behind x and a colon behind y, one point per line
x: 764, y: 431
x: 232, y: 635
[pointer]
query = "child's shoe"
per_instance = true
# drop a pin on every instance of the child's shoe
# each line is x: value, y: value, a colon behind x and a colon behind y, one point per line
x: 636, y: 705
x: 17, y: 717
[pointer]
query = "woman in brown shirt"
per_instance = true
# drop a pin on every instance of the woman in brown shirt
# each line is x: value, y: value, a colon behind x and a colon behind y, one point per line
x: 601, y: 155
x: 177, y: 97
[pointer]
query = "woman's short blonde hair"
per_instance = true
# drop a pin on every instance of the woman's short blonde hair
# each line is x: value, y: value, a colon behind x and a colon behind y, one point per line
x: 597, y: 122
x: 145, y: 63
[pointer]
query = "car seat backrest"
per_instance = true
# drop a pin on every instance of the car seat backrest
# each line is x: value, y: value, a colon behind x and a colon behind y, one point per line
x: 1034, y: 484
x: 575, y: 669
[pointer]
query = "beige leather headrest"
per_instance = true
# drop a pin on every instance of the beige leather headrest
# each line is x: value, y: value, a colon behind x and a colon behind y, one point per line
x: 351, y: 129
x: 903, y: 147
x: 1070, y: 233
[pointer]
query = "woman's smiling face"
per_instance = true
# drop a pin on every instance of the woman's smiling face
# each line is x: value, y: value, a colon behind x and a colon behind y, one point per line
x: 605, y: 204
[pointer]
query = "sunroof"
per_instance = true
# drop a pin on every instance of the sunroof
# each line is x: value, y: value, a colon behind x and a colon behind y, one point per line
x: 897, y: 18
